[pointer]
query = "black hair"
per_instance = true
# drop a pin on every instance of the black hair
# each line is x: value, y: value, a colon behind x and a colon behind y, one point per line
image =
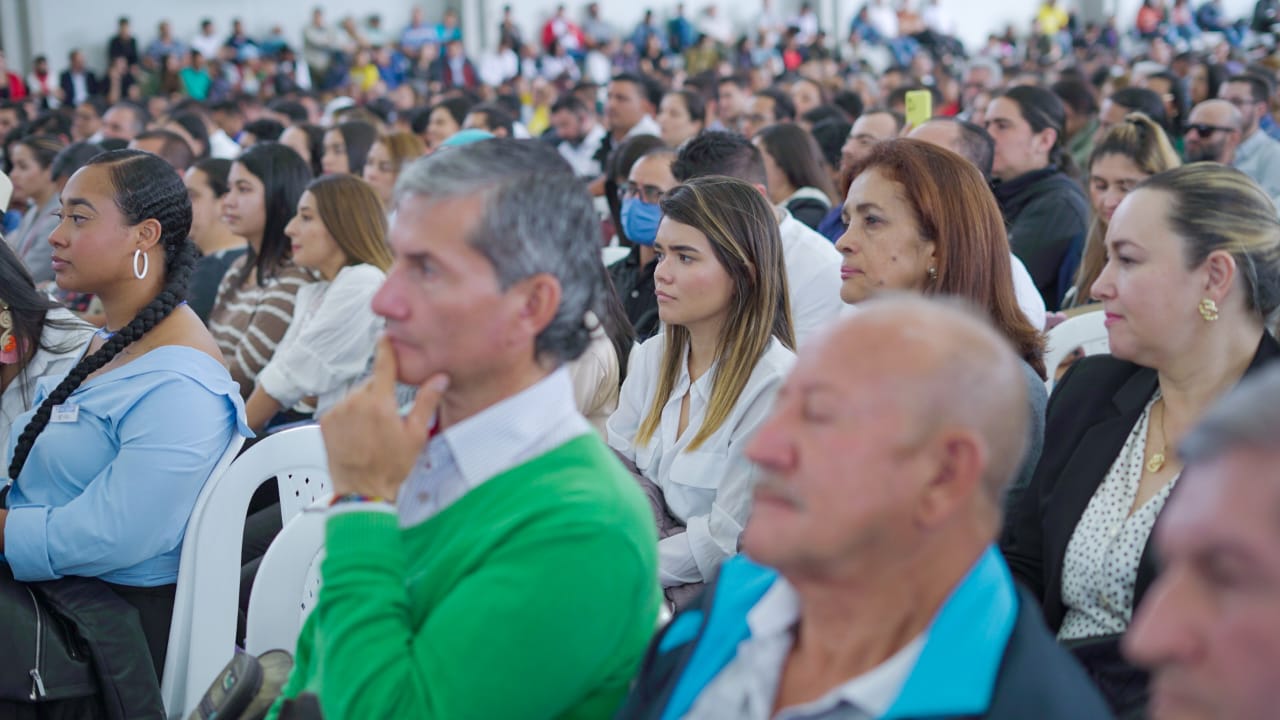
x: 264, y: 129
x: 98, y: 103
x: 976, y: 144
x: 694, y: 104
x: 850, y: 102
x: 457, y: 107
x: 216, y: 170
x: 1043, y: 110
x: 28, y: 307
x: 823, y: 113
x: 740, y: 81
x: 315, y: 145
x: 719, y: 153
x: 1076, y: 95
x: 110, y: 144
x: 1178, y: 90
x: 140, y: 115
x: 44, y: 147
x: 193, y: 123
x: 797, y: 155
x: 57, y: 122
x: 569, y: 103
x: 226, y: 106
x: 73, y: 157
x: 510, y: 103
x: 1147, y: 102
x: 419, y: 119
x: 831, y: 135
x: 1259, y: 86
x: 495, y: 117
x: 619, y: 165
x: 783, y: 108
x: 284, y: 175
x: 174, y: 149
x: 145, y: 188
x: 358, y: 137
x: 649, y: 89
x: 292, y: 109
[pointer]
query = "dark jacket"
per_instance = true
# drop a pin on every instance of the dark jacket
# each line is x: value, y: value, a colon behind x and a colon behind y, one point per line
x: 91, y: 82
x: 809, y: 211
x: 1090, y: 416
x: 1036, y: 678
x: 635, y: 289
x: 1046, y: 213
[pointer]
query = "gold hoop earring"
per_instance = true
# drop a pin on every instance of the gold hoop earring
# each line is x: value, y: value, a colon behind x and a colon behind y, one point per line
x: 1208, y: 310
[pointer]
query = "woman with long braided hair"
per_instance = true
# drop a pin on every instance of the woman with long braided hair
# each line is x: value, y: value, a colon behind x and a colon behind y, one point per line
x: 106, y: 468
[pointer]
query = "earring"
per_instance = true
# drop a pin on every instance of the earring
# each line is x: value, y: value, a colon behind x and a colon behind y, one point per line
x: 8, y: 341
x: 933, y: 273
x: 1208, y: 309
x: 146, y: 264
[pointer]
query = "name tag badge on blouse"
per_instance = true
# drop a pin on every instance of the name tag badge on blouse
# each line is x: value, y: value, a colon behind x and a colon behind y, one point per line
x: 65, y: 413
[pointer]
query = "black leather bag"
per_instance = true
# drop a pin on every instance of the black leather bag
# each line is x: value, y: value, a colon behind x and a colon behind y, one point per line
x: 43, y: 658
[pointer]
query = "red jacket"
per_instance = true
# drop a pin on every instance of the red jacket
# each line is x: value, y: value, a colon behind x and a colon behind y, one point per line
x: 14, y: 89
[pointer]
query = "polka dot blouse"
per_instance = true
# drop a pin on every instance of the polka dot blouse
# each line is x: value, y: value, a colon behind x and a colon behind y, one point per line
x: 1101, y: 564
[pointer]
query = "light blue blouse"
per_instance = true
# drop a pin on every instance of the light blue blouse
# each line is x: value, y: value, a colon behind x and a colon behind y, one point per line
x: 107, y: 491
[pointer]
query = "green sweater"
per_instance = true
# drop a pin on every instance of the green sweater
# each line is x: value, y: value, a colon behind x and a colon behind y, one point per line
x: 532, y: 596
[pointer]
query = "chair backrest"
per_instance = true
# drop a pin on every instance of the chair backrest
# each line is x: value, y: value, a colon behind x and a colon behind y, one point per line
x: 203, y: 632
x: 1086, y: 330
x: 307, y: 479
x: 179, y: 636
x: 287, y: 584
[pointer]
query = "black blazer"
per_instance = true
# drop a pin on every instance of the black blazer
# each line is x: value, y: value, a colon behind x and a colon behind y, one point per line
x: 91, y: 83
x: 1090, y: 415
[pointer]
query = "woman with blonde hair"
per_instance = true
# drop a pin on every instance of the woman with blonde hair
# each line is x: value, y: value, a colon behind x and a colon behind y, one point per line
x: 1191, y: 275
x: 387, y: 156
x: 694, y: 393
x: 340, y: 233
x: 1128, y: 153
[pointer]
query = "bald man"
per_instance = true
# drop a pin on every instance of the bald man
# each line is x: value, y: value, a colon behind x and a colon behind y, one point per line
x: 871, y: 585
x: 1213, y: 132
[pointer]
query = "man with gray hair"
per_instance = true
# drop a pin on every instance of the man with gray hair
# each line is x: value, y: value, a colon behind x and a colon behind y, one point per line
x: 871, y: 585
x: 487, y: 556
x: 1209, y: 627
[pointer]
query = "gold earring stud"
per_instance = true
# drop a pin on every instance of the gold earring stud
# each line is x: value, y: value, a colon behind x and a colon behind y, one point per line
x: 1208, y: 309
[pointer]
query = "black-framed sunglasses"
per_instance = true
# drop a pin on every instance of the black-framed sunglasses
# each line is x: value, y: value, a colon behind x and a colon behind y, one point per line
x: 648, y: 193
x: 1204, y: 130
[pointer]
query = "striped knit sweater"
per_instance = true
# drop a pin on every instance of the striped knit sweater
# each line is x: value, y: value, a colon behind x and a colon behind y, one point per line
x: 248, y: 320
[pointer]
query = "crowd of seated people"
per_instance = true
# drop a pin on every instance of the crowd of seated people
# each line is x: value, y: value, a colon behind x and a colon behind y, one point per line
x: 659, y: 375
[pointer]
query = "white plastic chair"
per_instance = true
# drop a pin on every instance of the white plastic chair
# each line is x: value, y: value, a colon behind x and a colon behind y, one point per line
x: 307, y: 478
x: 202, y: 634
x: 1087, y: 330
x: 287, y: 584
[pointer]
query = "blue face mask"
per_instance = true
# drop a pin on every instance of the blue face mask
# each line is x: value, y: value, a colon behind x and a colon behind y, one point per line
x: 640, y: 220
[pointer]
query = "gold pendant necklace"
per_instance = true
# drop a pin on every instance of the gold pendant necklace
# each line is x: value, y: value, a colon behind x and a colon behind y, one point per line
x: 1156, y: 462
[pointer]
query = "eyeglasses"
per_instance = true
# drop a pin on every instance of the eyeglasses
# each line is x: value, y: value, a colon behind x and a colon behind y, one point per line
x: 648, y: 193
x: 1204, y: 130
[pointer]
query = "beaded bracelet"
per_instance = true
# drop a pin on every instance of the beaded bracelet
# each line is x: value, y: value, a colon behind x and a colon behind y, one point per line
x: 355, y: 498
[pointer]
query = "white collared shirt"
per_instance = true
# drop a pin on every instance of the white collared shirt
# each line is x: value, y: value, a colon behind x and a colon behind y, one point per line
x: 504, y: 435
x: 69, y: 340
x: 708, y: 489
x: 813, y: 277
x: 1030, y: 301
x: 646, y: 126
x: 581, y: 157
x: 747, y: 687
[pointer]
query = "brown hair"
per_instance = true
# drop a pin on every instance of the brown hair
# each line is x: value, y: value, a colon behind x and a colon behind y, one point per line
x: 353, y: 215
x: 740, y: 227
x: 403, y: 147
x: 955, y: 209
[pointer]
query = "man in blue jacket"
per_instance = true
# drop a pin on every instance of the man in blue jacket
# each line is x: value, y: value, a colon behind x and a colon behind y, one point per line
x: 871, y: 587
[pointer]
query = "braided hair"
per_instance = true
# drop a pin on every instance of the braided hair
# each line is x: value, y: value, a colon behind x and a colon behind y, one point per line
x: 145, y: 187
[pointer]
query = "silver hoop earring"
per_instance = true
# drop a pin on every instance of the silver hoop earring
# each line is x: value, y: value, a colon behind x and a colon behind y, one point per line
x: 146, y: 264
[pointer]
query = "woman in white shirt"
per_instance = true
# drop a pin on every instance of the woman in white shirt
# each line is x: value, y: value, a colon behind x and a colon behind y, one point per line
x: 37, y: 339
x: 696, y: 392
x: 339, y: 232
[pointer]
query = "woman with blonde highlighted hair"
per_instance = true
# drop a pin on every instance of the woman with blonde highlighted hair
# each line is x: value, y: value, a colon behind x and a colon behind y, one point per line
x: 1192, y: 273
x: 387, y: 156
x: 695, y: 392
x: 1128, y: 153
x: 339, y: 232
